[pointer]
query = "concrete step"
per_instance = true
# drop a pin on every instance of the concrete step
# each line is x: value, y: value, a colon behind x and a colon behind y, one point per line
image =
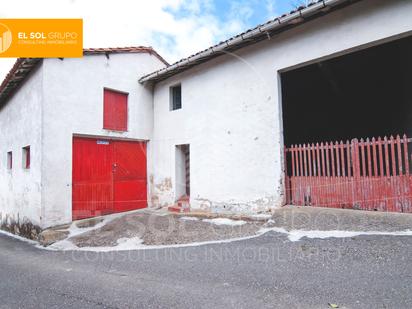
x: 180, y: 206
x: 174, y: 208
x: 178, y: 209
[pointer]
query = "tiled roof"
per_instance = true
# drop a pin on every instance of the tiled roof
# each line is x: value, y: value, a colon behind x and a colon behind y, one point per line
x: 132, y: 49
x: 23, y: 66
x: 20, y: 70
x: 302, y: 14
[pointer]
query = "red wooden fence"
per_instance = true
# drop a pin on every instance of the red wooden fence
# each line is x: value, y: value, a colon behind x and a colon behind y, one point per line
x: 371, y: 174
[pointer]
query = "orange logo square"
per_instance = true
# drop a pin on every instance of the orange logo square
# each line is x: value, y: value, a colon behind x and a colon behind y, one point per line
x: 41, y: 38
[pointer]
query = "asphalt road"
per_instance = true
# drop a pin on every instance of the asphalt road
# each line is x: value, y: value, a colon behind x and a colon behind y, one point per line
x: 264, y: 272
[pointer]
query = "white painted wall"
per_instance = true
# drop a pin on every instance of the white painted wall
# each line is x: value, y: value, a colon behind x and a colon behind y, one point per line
x: 231, y: 113
x: 73, y: 104
x: 20, y: 126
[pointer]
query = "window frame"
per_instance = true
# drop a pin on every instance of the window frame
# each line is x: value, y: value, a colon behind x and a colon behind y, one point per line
x: 172, y: 105
x: 26, y: 156
x: 9, y: 160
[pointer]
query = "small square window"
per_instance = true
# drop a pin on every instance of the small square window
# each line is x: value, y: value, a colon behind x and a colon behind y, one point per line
x: 26, y: 157
x: 9, y: 160
x: 175, y: 97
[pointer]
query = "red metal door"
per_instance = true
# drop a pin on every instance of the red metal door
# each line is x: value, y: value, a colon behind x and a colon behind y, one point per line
x: 92, y: 178
x: 108, y: 176
x: 130, y: 180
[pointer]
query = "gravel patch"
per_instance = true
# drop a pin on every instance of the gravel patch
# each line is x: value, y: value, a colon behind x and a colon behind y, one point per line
x: 156, y: 229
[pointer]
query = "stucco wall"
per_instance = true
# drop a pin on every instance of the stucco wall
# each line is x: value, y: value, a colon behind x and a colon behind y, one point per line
x: 73, y: 104
x: 231, y: 114
x: 20, y: 126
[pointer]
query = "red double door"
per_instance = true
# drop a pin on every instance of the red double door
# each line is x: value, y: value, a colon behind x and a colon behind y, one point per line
x: 108, y: 177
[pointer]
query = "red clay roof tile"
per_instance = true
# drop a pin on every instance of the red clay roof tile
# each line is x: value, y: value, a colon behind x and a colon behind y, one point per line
x: 23, y: 66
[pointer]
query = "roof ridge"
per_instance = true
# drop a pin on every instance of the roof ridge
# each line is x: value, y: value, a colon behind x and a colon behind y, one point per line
x: 130, y: 49
x: 118, y: 48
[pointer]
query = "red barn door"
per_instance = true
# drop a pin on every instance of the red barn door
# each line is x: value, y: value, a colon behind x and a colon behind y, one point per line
x: 108, y: 176
x: 130, y: 180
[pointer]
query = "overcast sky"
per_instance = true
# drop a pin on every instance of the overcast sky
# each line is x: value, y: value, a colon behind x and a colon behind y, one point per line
x: 175, y: 28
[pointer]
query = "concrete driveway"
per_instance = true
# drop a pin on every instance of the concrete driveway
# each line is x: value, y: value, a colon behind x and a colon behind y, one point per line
x: 268, y: 271
x: 147, y: 229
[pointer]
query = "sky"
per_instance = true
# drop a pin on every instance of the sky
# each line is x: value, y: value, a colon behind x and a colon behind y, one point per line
x: 174, y: 28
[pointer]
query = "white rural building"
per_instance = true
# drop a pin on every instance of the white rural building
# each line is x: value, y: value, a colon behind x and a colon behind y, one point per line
x: 119, y: 129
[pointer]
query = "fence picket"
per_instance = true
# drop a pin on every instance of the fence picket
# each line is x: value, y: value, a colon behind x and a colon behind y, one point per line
x: 342, y: 157
x: 322, y: 187
x: 332, y: 156
x: 368, y: 192
x: 400, y: 185
x: 392, y: 144
x: 356, y: 173
x: 368, y: 156
x: 313, y: 159
x: 329, y: 185
x: 407, y: 207
x: 304, y: 160
x: 309, y: 160
x: 323, y: 159
x: 297, y: 161
x: 348, y: 157
x: 318, y: 160
x: 327, y: 159
x: 387, y: 168
x: 399, y: 151
x: 406, y: 155
x: 381, y: 170
x: 388, y: 173
x: 319, y: 174
x: 337, y: 151
x: 373, y: 180
x: 338, y: 173
x: 381, y: 192
x: 394, y: 196
x: 300, y: 160
x: 345, y: 180
x: 375, y: 162
x: 362, y: 148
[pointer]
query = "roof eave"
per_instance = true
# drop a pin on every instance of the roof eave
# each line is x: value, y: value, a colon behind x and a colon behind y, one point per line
x: 124, y: 50
x: 23, y: 67
x: 250, y: 37
x: 16, y: 76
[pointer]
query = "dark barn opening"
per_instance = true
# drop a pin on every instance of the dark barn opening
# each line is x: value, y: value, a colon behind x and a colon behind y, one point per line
x: 364, y: 94
x: 355, y: 98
